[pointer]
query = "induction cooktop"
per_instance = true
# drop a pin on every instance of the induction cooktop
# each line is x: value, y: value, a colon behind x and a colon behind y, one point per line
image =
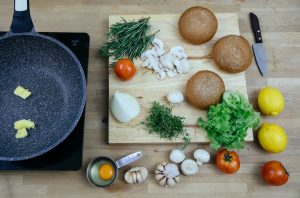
x: 68, y: 154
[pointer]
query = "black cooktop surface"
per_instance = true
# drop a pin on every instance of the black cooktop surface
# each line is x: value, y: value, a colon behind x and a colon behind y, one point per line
x: 67, y: 155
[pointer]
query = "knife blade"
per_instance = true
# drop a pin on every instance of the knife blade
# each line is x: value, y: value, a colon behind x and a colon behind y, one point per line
x: 258, y: 49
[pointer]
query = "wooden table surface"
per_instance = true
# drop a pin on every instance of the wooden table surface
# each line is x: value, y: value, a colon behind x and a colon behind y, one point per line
x: 280, y: 29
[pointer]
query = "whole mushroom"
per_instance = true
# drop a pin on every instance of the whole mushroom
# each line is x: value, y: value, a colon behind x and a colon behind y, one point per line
x: 202, y: 156
x: 177, y: 156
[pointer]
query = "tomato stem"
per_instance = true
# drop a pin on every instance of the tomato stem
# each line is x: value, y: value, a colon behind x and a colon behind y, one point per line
x: 286, y: 172
x: 227, y: 157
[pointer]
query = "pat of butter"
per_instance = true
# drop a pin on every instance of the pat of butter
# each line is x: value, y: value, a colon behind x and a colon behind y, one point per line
x: 22, y: 92
x: 21, y: 133
x: 27, y: 124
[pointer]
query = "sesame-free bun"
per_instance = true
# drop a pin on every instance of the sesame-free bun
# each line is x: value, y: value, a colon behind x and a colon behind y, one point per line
x: 197, y: 25
x: 232, y: 53
x: 205, y: 88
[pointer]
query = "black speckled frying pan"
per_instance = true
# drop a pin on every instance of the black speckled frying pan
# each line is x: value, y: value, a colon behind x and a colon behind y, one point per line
x: 54, y: 76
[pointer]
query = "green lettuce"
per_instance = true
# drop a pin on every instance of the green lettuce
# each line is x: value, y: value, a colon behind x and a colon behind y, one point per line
x: 227, y: 122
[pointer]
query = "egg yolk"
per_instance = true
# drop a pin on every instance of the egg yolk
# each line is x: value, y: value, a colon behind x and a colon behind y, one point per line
x: 106, y: 171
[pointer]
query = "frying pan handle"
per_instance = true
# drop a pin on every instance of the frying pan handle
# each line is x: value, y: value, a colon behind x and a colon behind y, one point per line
x: 21, y: 22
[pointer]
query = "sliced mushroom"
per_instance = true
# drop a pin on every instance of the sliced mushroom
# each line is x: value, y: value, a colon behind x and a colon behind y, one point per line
x: 167, y: 61
x: 161, y: 75
x: 158, y: 47
x: 178, y: 51
x: 149, y: 59
x: 172, y: 73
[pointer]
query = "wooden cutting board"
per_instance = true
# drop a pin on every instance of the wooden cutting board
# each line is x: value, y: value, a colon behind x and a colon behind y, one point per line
x: 146, y: 88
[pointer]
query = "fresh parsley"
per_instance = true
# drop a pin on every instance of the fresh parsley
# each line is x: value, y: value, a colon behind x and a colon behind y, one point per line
x: 227, y: 122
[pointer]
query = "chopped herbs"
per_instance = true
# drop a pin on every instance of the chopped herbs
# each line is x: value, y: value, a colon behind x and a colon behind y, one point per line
x: 127, y: 39
x: 161, y: 121
x: 227, y: 122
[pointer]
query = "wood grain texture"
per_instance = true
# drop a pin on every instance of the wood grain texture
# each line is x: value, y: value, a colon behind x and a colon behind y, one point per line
x: 146, y: 88
x: 280, y: 26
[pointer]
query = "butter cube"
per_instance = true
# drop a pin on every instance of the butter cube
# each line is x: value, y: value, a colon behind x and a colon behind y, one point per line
x: 22, y: 92
x: 21, y: 133
x: 27, y: 124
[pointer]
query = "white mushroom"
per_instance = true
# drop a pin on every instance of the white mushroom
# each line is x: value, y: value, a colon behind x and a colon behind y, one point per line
x: 175, y: 97
x: 149, y: 59
x: 186, y: 66
x: 171, y: 63
x: 182, y: 66
x: 189, y: 167
x: 158, y: 47
x: 178, y: 51
x: 172, y: 73
x: 177, y: 156
x: 202, y: 156
x: 136, y: 175
x: 161, y: 75
x: 167, y: 61
x: 167, y: 174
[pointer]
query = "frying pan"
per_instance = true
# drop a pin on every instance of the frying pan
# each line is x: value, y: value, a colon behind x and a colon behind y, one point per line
x: 54, y: 76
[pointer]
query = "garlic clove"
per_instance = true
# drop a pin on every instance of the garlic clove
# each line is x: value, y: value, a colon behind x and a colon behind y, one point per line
x: 139, y: 178
x: 163, y: 181
x: 124, y: 107
x: 144, y: 173
x: 176, y: 97
x: 159, y: 176
x: 128, y: 178
x: 171, y: 182
x: 133, y: 175
x: 189, y: 167
x: 136, y: 175
x: 176, y: 179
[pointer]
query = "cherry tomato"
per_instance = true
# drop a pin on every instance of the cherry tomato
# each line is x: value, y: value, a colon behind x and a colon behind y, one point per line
x: 228, y: 161
x: 274, y: 173
x: 124, y: 69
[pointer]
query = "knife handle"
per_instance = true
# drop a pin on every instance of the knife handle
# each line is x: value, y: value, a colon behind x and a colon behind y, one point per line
x: 255, y: 28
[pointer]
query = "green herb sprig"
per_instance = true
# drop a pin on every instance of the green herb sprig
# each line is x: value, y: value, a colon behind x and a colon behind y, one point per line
x: 161, y: 121
x: 127, y: 39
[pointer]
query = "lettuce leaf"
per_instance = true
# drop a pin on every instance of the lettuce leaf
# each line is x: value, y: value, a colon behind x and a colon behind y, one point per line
x: 227, y: 122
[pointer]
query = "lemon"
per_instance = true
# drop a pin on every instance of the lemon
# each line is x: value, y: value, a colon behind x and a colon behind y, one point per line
x: 272, y: 138
x: 270, y: 101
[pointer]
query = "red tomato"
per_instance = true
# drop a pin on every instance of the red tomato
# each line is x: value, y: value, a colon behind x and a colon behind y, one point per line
x: 124, y: 69
x: 274, y: 173
x: 228, y: 161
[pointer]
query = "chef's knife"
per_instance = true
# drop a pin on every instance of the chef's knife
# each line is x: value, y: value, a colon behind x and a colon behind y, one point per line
x: 257, y: 47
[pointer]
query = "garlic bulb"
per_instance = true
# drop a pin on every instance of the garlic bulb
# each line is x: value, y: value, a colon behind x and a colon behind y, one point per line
x: 167, y: 174
x: 136, y: 175
x: 124, y: 107
x: 189, y: 167
x: 202, y: 156
x: 177, y: 156
x: 175, y: 97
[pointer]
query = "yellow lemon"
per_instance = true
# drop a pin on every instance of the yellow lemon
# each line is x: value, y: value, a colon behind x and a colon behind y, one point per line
x: 272, y: 138
x: 270, y: 101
